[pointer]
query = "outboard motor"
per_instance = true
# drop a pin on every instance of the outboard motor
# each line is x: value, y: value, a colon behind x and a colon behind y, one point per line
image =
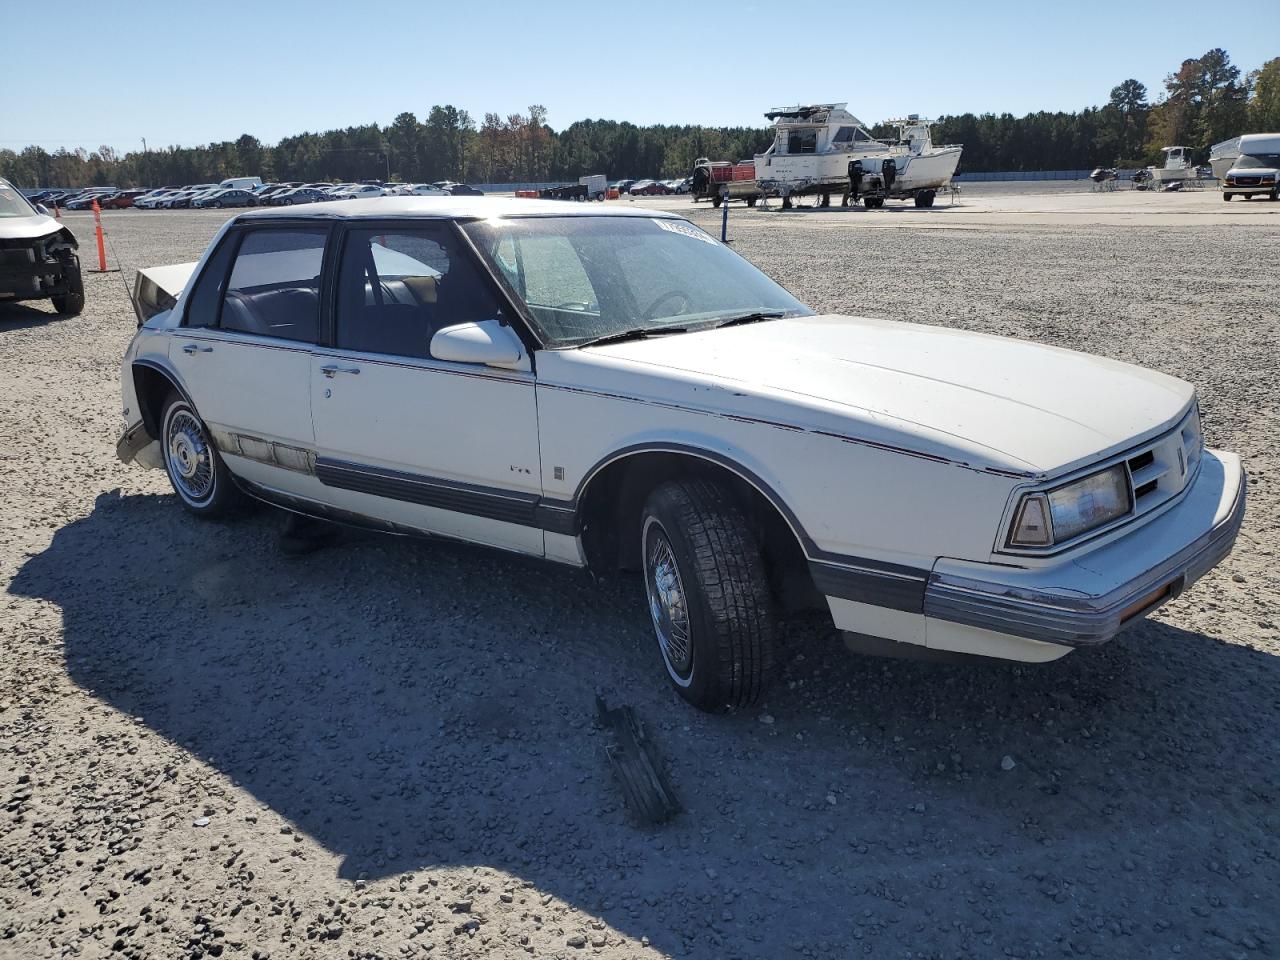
x: 889, y: 169
x: 855, y: 178
x: 701, y: 176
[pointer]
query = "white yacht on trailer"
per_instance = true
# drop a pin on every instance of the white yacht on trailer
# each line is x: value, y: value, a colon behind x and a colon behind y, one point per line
x: 824, y: 149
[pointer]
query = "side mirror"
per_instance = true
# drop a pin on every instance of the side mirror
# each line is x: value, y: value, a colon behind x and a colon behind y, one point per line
x: 487, y: 342
x: 42, y: 209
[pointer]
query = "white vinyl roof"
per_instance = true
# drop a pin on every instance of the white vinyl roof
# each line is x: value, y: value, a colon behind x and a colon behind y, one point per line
x: 462, y: 208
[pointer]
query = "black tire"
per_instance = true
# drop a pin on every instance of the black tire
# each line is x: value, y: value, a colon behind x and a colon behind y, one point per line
x: 1275, y: 195
x: 924, y: 199
x: 751, y: 201
x: 720, y: 587
x: 1227, y: 197
x: 716, y: 200
x: 187, y: 448
x: 71, y: 303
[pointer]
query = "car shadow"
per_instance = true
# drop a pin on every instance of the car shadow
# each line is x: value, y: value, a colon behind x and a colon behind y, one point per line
x: 416, y: 703
x: 25, y: 315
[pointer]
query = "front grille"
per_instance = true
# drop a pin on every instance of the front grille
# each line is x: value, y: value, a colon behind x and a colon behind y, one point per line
x: 1161, y: 470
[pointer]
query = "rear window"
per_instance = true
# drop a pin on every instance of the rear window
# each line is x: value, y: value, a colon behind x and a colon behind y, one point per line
x: 274, y: 289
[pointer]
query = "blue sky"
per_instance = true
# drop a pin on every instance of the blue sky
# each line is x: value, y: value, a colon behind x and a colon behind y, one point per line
x: 181, y: 73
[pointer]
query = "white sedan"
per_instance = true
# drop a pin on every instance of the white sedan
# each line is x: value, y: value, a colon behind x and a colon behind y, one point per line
x: 618, y: 389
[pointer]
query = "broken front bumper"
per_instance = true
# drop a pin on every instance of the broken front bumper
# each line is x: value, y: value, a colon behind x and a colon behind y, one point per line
x: 134, y: 439
x: 1093, y: 596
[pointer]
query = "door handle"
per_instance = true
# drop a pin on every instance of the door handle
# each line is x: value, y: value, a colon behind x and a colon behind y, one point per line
x: 330, y: 369
x: 195, y: 348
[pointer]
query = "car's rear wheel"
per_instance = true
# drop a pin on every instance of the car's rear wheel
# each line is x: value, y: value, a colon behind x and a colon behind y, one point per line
x: 198, y: 475
x: 708, y: 595
x: 72, y: 302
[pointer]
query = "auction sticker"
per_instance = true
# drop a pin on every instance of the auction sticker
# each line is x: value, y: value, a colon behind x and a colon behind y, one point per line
x: 686, y: 230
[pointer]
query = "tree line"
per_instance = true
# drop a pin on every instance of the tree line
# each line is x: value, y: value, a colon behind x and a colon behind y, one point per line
x: 1205, y: 101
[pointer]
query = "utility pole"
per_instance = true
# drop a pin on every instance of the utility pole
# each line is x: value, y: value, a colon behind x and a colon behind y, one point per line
x: 146, y: 156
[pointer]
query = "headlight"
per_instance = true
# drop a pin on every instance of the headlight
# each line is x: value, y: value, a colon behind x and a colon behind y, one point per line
x: 1056, y: 516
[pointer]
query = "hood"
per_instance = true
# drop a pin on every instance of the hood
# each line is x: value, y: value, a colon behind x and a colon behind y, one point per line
x: 983, y: 401
x: 28, y: 228
x: 156, y: 289
x: 1252, y: 172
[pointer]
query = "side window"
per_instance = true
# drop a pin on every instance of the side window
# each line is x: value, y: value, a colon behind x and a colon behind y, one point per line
x: 274, y: 290
x: 202, y: 304
x: 397, y: 288
x: 803, y: 141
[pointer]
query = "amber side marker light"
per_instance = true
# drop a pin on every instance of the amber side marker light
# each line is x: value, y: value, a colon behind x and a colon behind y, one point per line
x: 1151, y: 600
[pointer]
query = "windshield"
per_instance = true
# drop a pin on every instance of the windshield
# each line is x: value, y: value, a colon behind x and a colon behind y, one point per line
x: 1258, y: 161
x: 14, y: 204
x: 584, y: 278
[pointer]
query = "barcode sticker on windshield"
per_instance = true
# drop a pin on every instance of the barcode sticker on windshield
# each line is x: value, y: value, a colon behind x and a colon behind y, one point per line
x: 686, y: 230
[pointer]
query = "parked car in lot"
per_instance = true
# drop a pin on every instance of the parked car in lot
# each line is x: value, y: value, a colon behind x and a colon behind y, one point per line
x: 648, y: 188
x: 226, y: 198
x: 85, y: 201
x: 616, y: 388
x: 151, y: 200
x: 287, y: 198
x: 38, y: 259
x: 122, y: 200
x: 359, y: 191
x: 267, y: 191
x: 464, y: 190
x: 622, y: 186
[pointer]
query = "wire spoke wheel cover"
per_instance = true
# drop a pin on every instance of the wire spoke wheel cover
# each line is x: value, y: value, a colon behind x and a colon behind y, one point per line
x: 189, y: 456
x: 668, y: 603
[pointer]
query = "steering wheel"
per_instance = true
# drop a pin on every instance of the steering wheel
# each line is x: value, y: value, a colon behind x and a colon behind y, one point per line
x: 685, y: 302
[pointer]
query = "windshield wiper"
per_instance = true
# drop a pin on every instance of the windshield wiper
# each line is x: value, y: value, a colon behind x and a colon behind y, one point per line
x: 635, y: 333
x: 754, y: 317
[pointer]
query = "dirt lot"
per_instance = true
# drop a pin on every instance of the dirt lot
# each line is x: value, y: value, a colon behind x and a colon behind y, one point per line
x: 387, y: 749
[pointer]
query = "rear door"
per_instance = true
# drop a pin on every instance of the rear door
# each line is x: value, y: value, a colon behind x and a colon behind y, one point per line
x: 244, y: 351
x: 446, y: 447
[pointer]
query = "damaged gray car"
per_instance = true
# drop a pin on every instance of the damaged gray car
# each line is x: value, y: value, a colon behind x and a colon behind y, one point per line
x: 37, y: 255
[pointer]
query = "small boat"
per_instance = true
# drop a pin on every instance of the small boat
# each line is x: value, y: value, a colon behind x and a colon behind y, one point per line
x: 1177, y: 166
x: 824, y: 149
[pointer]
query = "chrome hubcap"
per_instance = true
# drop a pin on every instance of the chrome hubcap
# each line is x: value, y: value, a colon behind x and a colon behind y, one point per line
x: 190, y: 459
x: 668, y: 605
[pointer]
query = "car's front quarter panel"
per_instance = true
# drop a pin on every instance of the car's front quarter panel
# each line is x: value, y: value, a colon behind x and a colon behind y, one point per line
x: 844, y: 497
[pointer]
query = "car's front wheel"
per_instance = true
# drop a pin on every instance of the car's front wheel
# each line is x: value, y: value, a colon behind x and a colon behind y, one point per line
x: 71, y: 302
x: 199, y: 477
x: 708, y: 594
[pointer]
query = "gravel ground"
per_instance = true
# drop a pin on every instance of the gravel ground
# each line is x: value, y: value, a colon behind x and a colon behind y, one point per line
x: 387, y: 749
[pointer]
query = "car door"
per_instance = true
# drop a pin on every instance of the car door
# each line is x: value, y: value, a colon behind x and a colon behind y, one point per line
x: 243, y: 352
x: 446, y: 447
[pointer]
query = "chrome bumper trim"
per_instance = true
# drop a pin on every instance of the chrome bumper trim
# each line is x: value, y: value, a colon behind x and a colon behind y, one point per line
x: 1073, y: 618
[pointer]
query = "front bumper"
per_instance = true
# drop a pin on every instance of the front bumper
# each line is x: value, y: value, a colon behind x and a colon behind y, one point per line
x: 131, y: 441
x: 1091, y: 597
